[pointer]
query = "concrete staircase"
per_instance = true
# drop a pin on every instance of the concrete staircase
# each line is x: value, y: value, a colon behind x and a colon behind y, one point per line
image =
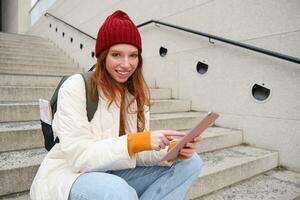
x: 31, y: 67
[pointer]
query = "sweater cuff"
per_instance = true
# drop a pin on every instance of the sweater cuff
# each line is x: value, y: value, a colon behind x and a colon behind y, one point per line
x: 178, y: 157
x: 137, y: 142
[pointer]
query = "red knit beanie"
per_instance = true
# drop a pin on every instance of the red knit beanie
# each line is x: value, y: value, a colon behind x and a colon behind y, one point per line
x: 117, y: 28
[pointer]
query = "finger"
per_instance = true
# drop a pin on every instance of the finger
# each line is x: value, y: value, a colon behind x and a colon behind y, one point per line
x: 188, y: 151
x: 188, y: 155
x: 165, y: 140
x: 190, y: 145
x: 197, y: 139
x: 174, y: 133
x: 169, y: 138
x: 162, y: 145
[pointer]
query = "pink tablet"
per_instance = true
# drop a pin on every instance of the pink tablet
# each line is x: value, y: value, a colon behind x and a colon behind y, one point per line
x: 197, y: 130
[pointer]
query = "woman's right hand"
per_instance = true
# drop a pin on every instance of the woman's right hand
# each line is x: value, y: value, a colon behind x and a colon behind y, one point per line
x: 161, y: 138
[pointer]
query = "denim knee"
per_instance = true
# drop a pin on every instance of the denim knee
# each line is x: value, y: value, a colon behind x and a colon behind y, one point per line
x: 95, y: 185
x: 193, y: 165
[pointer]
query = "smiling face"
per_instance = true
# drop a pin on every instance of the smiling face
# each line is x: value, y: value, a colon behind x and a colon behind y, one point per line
x: 121, y: 61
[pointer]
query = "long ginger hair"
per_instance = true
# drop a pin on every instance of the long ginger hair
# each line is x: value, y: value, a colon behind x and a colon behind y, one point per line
x: 115, y: 91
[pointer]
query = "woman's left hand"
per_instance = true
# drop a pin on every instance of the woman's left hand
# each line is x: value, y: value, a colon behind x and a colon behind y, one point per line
x: 190, y: 148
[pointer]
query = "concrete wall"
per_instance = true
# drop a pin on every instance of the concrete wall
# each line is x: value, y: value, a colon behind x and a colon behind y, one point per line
x: 15, y: 17
x: 232, y: 71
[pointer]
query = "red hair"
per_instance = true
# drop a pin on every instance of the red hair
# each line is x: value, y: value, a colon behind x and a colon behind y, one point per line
x: 115, y: 91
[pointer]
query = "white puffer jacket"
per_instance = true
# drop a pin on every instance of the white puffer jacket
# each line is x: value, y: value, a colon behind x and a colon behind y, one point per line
x: 86, y: 146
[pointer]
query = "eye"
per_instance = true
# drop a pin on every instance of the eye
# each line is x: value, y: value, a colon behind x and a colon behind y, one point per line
x: 134, y: 55
x: 115, y: 54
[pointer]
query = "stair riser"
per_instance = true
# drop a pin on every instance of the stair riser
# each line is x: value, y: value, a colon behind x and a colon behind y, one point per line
x: 33, y: 94
x: 167, y: 107
x: 25, y: 57
x: 35, y: 61
x: 174, y: 124
x: 161, y: 94
x: 9, y: 36
x: 42, y: 47
x: 31, y: 112
x: 16, y: 180
x: 38, y: 81
x: 32, y: 51
x: 215, y: 181
x: 55, y: 72
x: 37, y: 66
x: 18, y: 42
x: 33, y: 137
x: 220, y: 142
x: 15, y: 113
x: 22, y: 139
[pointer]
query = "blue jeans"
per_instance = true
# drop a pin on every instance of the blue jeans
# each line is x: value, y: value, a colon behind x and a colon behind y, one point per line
x: 144, y: 183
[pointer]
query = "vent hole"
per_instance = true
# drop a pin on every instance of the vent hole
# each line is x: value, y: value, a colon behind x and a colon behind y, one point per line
x: 163, y: 51
x: 71, y: 39
x: 50, y: 25
x: 93, y: 54
x: 260, y: 93
x: 81, y: 46
x: 56, y: 29
x: 63, y: 34
x: 202, y: 67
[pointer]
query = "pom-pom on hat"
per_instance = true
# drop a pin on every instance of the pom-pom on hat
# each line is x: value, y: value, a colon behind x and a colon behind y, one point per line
x: 117, y: 28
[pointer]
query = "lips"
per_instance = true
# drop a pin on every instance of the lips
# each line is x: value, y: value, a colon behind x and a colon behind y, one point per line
x: 123, y: 74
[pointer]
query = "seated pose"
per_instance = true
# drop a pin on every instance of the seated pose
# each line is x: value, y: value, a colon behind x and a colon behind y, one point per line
x: 114, y: 156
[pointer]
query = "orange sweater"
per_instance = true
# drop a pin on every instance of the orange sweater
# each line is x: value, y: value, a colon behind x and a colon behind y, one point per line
x: 137, y: 142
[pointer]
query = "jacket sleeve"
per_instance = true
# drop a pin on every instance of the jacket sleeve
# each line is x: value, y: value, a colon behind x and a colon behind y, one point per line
x: 150, y: 158
x: 83, y: 150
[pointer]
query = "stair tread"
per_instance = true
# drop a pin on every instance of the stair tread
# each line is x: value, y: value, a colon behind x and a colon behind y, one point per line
x: 19, y: 126
x: 272, y: 185
x: 230, y: 157
x: 21, y: 159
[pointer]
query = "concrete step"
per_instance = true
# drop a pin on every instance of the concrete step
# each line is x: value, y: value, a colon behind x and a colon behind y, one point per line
x: 26, y: 111
x: 24, y: 43
x: 175, y: 121
x: 18, y: 168
x: 221, y: 168
x: 17, y: 196
x: 36, y: 61
x: 15, y: 65
x: 21, y: 37
x: 26, y: 135
x: 17, y: 94
x: 231, y: 165
x: 275, y: 184
x: 214, y: 138
x: 170, y: 105
x: 29, y: 80
x: 39, y: 70
x: 20, y: 135
x: 31, y: 51
x: 31, y: 57
x: 161, y: 93
x: 19, y: 111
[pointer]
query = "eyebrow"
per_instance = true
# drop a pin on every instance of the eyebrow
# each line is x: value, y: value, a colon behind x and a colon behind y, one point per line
x: 118, y: 51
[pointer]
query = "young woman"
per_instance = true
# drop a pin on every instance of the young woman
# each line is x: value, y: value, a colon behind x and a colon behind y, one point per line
x: 114, y: 156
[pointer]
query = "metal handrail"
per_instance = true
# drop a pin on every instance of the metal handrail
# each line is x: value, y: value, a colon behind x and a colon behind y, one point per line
x: 210, y: 36
x: 239, y: 44
x: 70, y: 25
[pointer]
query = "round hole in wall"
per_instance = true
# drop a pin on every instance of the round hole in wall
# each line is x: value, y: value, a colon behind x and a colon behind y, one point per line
x: 93, y: 54
x: 63, y: 34
x: 50, y: 25
x: 260, y: 93
x: 163, y: 51
x: 81, y: 46
x: 56, y: 29
x: 202, y: 67
x: 71, y: 39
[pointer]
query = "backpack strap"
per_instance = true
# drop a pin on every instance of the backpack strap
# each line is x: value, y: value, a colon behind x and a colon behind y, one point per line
x: 91, y: 105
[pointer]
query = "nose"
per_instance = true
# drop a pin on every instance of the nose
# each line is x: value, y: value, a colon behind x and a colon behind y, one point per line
x: 125, y: 62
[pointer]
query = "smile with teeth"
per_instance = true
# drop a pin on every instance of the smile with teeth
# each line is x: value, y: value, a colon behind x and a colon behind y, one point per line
x: 122, y: 73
